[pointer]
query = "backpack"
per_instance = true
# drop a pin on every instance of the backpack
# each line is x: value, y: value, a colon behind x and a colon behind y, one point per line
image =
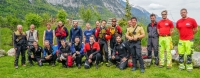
x: 69, y: 61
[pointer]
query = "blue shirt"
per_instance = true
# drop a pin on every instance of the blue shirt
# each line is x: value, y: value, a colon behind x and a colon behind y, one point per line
x: 75, y: 32
x: 87, y: 34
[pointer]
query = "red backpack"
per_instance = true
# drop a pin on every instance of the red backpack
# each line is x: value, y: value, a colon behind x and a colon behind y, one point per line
x: 69, y: 61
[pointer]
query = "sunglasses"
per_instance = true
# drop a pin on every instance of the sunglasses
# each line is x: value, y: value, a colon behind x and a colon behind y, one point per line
x: 113, y: 21
x: 164, y: 14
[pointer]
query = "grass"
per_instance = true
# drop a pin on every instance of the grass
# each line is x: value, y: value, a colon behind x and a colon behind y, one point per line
x: 7, y: 70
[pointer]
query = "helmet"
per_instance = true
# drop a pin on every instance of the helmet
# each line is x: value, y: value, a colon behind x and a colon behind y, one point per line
x: 108, y: 37
x: 130, y: 64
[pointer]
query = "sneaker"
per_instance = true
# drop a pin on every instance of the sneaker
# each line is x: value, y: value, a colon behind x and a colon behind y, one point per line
x: 109, y: 64
x: 142, y: 70
x: 16, y: 67
x: 168, y: 67
x: 24, y: 65
x: 189, y: 70
x: 53, y: 64
x: 133, y: 69
x: 160, y: 66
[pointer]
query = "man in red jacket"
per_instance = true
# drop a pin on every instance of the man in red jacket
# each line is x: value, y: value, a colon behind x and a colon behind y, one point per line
x: 187, y: 27
x: 92, y: 54
x: 61, y: 33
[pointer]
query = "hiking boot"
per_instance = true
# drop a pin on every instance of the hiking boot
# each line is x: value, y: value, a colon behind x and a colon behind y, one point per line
x: 79, y: 66
x: 181, y: 69
x: 16, y: 67
x: 133, y: 69
x: 40, y: 64
x: 142, y: 70
x: 53, y: 64
x: 97, y: 66
x: 109, y: 64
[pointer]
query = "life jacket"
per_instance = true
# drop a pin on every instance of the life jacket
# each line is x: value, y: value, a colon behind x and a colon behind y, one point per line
x: 115, y: 30
x: 60, y: 32
x: 96, y: 33
x: 102, y: 33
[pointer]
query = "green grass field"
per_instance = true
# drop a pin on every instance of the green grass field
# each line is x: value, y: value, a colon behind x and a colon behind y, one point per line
x: 7, y: 70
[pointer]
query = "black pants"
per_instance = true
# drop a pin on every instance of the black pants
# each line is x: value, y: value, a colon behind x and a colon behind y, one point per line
x: 112, y: 43
x: 103, y: 50
x: 78, y: 59
x: 20, y: 49
x: 96, y: 58
x: 119, y: 63
x: 36, y: 59
x: 136, y: 53
x: 152, y: 43
x: 51, y: 60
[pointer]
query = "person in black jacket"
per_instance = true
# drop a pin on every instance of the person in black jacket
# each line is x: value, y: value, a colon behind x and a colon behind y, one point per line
x: 20, y: 45
x: 120, y: 53
x: 77, y: 50
x: 49, y: 54
x: 34, y: 53
x: 64, y: 53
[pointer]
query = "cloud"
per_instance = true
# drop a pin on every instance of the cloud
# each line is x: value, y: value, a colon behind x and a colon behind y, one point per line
x: 154, y: 6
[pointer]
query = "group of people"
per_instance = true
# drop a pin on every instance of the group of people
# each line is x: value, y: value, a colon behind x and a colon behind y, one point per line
x: 105, y: 44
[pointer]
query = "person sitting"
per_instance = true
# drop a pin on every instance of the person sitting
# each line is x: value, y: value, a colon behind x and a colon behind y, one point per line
x: 77, y: 50
x: 49, y: 54
x: 120, y: 53
x: 92, y: 54
x: 64, y: 53
x: 34, y: 54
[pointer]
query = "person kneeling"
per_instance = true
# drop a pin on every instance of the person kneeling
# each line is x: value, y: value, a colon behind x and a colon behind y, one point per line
x: 65, y: 55
x: 77, y: 50
x: 92, y: 54
x: 49, y: 54
x: 34, y: 54
x: 120, y: 53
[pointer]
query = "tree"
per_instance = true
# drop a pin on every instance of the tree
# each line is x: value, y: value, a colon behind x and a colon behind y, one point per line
x: 85, y: 13
x: 46, y: 17
x: 33, y: 19
x: 128, y: 14
x: 61, y: 16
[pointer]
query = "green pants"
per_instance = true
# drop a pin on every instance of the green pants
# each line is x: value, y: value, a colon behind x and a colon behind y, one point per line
x: 185, y: 50
x: 165, y: 43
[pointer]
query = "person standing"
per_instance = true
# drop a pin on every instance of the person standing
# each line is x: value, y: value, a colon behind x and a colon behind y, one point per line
x: 20, y: 45
x: 114, y: 30
x: 187, y: 27
x: 49, y: 35
x: 75, y: 31
x: 88, y: 32
x: 153, y: 39
x: 134, y: 35
x: 165, y: 30
x: 32, y: 35
x: 61, y: 33
x: 96, y: 31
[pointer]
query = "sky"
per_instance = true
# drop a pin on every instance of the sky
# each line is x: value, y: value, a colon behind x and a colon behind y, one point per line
x: 172, y: 6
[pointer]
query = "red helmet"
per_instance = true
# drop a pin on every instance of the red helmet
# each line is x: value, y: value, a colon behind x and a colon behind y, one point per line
x: 130, y: 64
x: 108, y: 37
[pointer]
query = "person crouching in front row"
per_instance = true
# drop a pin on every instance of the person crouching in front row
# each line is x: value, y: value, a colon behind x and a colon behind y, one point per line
x: 120, y: 53
x: 65, y: 54
x: 49, y: 54
x: 92, y: 54
x: 34, y: 54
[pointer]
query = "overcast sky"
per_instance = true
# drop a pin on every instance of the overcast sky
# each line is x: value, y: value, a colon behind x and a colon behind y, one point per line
x: 173, y: 7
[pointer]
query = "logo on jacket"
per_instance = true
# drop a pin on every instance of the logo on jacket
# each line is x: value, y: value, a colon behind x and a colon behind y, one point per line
x: 166, y: 24
x: 187, y: 24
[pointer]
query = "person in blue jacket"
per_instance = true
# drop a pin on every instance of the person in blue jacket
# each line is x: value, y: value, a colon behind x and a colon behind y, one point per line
x: 77, y: 51
x: 49, y: 53
x: 75, y: 31
x: 88, y: 32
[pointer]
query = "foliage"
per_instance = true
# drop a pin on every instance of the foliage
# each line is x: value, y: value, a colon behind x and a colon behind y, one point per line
x: 46, y: 18
x: 123, y: 22
x: 5, y: 38
x: 86, y: 13
x: 33, y: 19
x: 128, y: 14
x: 62, y: 16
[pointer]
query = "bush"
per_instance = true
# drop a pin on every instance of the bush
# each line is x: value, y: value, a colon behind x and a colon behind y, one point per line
x: 33, y: 19
x: 6, y: 38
